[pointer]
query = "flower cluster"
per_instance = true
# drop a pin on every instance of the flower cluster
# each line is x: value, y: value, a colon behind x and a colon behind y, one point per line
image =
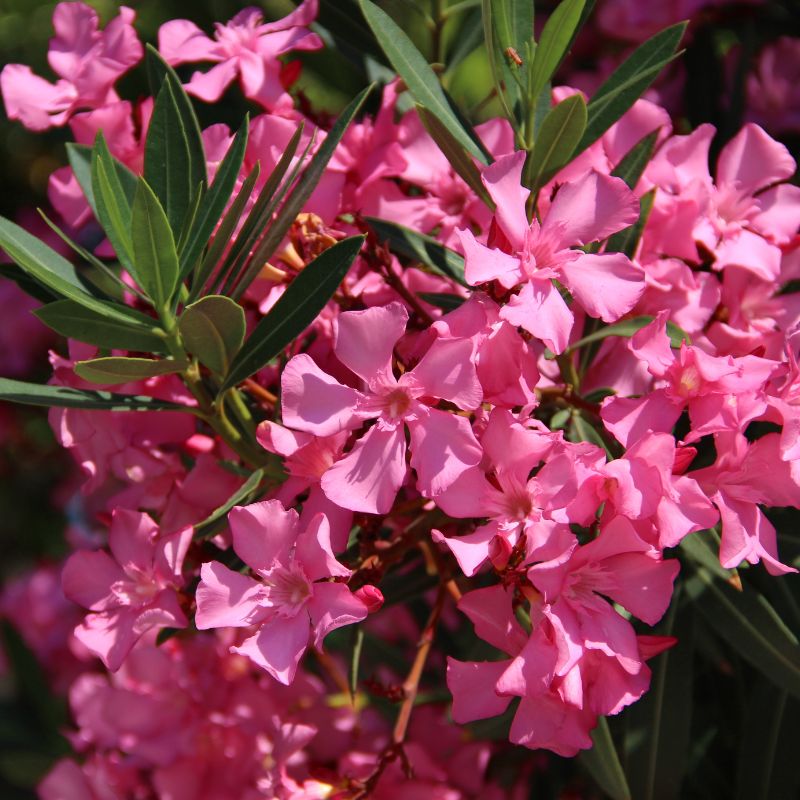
x: 523, y: 396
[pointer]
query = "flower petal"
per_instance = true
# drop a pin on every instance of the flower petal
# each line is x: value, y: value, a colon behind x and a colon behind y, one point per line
x: 227, y: 599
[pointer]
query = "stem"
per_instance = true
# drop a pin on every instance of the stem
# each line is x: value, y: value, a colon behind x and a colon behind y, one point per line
x: 259, y: 391
x: 411, y: 683
x: 437, y: 37
x: 249, y: 452
x: 397, y: 284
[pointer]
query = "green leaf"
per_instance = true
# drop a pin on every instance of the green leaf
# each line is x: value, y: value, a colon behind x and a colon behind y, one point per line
x: 629, y: 81
x: 174, y: 158
x: 661, y: 721
x: 409, y: 243
x: 222, y: 237
x: 506, y: 90
x: 52, y: 270
x: 467, y: 40
x: 80, y: 159
x: 767, y: 768
x: 116, y: 369
x: 559, y: 135
x: 302, y: 191
x: 247, y: 250
x: 751, y: 626
x: 101, y: 276
x: 702, y: 547
x: 32, y: 394
x: 296, y: 309
x: 455, y: 154
x: 513, y: 21
x: 243, y: 495
x: 554, y: 42
x: 633, y: 163
x: 154, y: 253
x: 626, y: 328
x: 447, y: 302
x: 213, y: 329
x: 76, y: 322
x: 355, y: 658
x: 112, y: 200
x: 416, y: 73
x: 627, y: 240
x: 602, y: 763
x: 581, y: 430
x: 212, y: 205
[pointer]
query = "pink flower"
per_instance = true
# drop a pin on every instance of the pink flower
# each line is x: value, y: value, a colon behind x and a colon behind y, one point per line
x: 532, y: 255
x: 87, y: 61
x: 742, y: 218
x: 721, y: 393
x: 641, y: 485
x: 292, y: 599
x: 563, y: 683
x: 246, y: 47
x: 442, y: 444
x: 520, y: 508
x: 744, y: 476
x: 773, y: 87
x: 132, y: 590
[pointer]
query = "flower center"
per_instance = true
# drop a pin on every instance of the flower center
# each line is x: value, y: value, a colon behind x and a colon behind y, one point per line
x: 396, y: 403
x: 288, y: 589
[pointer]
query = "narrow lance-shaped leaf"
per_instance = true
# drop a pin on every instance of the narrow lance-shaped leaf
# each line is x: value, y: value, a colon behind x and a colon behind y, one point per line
x: 629, y: 81
x: 409, y: 243
x: 234, y: 269
x: 455, y: 154
x: 52, y: 270
x: 112, y: 200
x: 627, y: 240
x: 602, y: 763
x: 559, y: 135
x: 80, y: 159
x: 658, y: 726
x: 76, y: 322
x: 768, y: 745
x: 102, y: 276
x: 626, y: 329
x: 447, y: 302
x: 116, y: 369
x: 174, y: 158
x: 513, y: 22
x: 355, y: 658
x: 702, y: 548
x: 505, y: 90
x: 469, y: 37
x: 751, y: 626
x: 155, y: 257
x: 213, y: 329
x: 212, y: 205
x: 554, y: 42
x: 223, y: 234
x: 416, y: 73
x: 633, y: 163
x: 243, y: 495
x: 295, y: 310
x: 302, y: 191
x: 34, y: 394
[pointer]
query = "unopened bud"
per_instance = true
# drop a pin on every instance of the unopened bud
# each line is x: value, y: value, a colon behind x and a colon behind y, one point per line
x: 371, y: 596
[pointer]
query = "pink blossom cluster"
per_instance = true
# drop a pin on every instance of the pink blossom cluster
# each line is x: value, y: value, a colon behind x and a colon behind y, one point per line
x: 557, y: 547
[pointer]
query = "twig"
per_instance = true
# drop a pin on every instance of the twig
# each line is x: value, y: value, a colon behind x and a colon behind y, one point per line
x: 260, y: 392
